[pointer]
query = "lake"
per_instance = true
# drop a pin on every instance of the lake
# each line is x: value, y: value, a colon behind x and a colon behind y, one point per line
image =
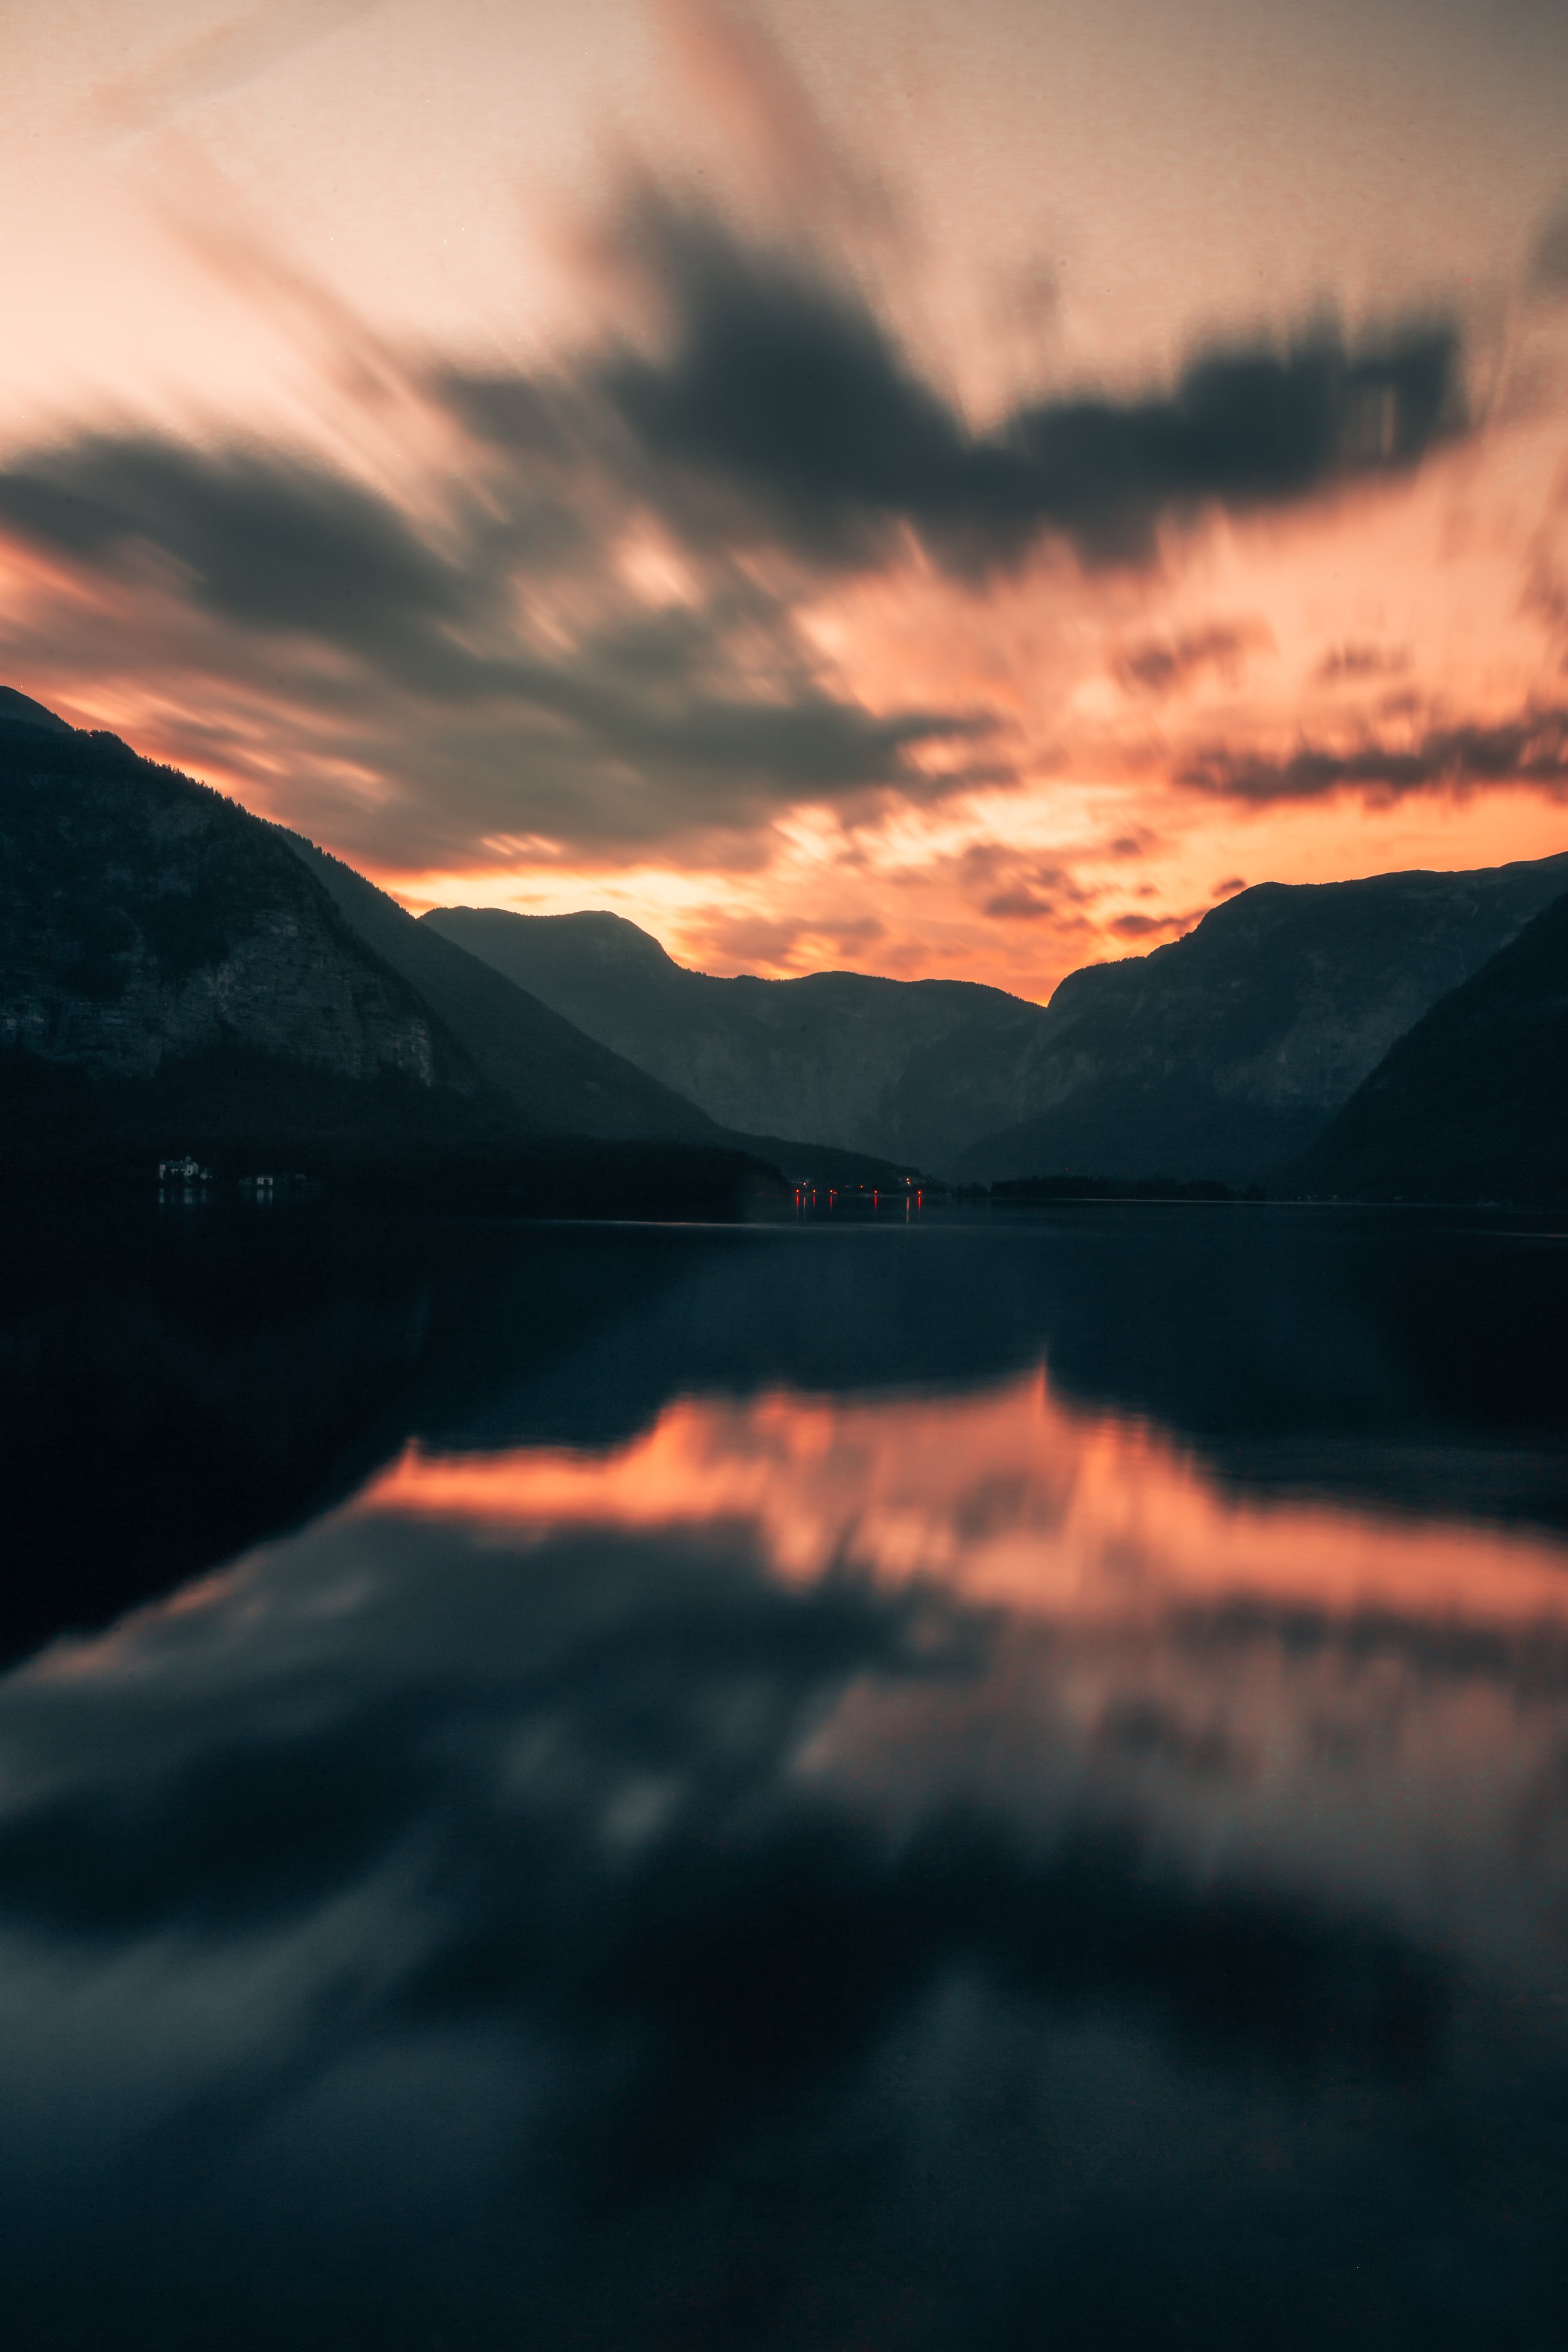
x: 991, y: 1782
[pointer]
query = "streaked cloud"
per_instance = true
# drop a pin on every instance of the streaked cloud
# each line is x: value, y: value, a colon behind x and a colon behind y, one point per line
x: 781, y: 386
x: 1530, y: 749
x: 581, y: 617
x: 810, y: 579
x: 1160, y: 665
x: 1352, y: 662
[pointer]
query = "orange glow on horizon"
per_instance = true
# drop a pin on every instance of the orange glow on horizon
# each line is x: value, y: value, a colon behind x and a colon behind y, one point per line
x: 238, y: 258
x: 697, y: 916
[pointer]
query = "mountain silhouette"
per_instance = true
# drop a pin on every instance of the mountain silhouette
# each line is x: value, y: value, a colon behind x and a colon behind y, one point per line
x: 181, y: 975
x: 162, y: 954
x: 178, y: 976
x: 559, y: 1081
x: 1221, y: 1056
x: 1472, y: 1103
x: 909, y: 1070
x: 1226, y: 1052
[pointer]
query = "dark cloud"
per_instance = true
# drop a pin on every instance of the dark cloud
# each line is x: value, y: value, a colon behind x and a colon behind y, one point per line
x: 1161, y: 664
x: 1148, y: 927
x: 786, y: 388
x: 508, y: 411
x: 1020, y: 889
x: 1242, y: 428
x: 1531, y: 749
x: 639, y: 725
x: 266, y: 540
x: 1019, y: 906
x: 985, y: 862
x: 1358, y: 661
x: 479, y: 661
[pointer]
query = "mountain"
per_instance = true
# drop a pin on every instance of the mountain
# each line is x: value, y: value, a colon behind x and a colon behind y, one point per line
x: 560, y: 1081
x: 909, y: 1070
x: 541, y: 1061
x: 147, y: 921
x: 1226, y: 1054
x: 1472, y: 1103
x: 21, y: 711
x: 177, y: 975
x: 174, y: 979
x: 1218, y: 1056
x: 147, y: 925
x: 184, y: 975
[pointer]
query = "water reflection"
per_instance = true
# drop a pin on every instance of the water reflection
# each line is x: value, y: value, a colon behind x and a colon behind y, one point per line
x: 778, y: 1800
x: 1365, y: 1703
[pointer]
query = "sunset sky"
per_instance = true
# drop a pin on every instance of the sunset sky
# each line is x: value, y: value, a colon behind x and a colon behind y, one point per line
x: 923, y: 488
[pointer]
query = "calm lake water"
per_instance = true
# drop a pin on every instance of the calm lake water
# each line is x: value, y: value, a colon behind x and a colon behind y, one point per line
x: 880, y: 1788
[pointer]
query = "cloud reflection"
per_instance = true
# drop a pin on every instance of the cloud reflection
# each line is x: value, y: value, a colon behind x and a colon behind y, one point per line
x: 803, y: 1852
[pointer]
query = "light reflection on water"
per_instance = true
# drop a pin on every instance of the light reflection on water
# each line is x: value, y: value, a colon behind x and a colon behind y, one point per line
x: 826, y: 1861
x: 1359, y: 1705
x: 1005, y: 1496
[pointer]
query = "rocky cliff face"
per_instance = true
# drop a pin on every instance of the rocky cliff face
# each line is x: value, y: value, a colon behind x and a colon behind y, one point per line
x: 177, y: 975
x: 145, y: 921
x: 1226, y: 1054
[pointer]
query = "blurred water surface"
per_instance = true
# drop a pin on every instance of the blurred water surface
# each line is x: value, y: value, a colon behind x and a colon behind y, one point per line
x: 994, y: 1783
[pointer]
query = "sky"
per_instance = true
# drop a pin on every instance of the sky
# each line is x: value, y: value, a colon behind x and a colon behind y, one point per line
x: 914, y: 488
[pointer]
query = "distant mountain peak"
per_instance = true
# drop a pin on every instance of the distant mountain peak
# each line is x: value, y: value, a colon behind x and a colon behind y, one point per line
x: 837, y: 1057
x: 1218, y: 1055
x: 594, y: 935
x: 21, y: 711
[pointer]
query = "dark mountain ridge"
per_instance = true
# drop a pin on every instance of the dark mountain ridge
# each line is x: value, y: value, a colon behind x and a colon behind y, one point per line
x: 178, y: 975
x: 174, y: 979
x: 908, y: 1069
x: 558, y: 1080
x: 21, y: 711
x: 145, y: 921
x: 1226, y: 1054
x: 1472, y: 1103
x: 545, y: 1064
x: 1219, y: 1057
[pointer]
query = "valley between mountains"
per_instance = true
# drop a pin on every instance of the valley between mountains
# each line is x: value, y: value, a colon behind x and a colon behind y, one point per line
x: 176, y: 974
